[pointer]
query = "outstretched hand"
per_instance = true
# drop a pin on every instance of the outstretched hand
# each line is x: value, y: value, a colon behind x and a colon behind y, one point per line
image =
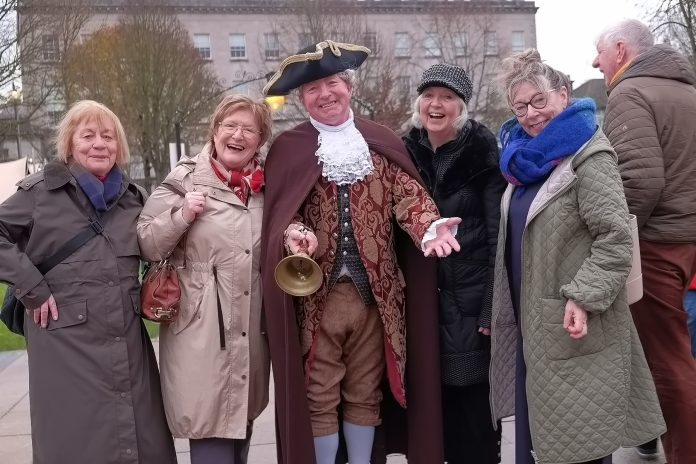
x: 444, y: 242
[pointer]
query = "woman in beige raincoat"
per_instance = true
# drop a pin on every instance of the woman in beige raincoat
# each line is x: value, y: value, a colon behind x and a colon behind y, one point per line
x: 214, y: 358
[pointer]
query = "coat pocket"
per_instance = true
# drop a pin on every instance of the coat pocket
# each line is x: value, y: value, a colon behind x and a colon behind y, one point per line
x: 194, y: 282
x: 69, y: 314
x: 558, y: 344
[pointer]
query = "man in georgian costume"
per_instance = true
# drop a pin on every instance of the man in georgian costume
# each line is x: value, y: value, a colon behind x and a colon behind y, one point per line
x: 346, y: 189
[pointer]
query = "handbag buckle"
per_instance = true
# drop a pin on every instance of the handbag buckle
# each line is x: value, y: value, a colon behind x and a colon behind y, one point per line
x: 162, y: 313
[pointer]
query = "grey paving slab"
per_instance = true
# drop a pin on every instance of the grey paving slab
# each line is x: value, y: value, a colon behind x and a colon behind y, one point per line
x: 15, y: 433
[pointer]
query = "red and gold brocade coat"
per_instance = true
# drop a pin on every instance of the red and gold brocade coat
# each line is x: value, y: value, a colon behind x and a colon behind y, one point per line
x: 386, y: 195
x: 294, y: 185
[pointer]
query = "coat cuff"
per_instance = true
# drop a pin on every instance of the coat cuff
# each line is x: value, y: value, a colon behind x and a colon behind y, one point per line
x: 34, y: 296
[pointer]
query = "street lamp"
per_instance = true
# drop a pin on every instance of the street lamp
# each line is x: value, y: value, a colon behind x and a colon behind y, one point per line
x: 16, y: 96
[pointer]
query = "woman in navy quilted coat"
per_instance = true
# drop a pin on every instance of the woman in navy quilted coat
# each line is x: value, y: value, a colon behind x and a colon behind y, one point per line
x: 565, y: 356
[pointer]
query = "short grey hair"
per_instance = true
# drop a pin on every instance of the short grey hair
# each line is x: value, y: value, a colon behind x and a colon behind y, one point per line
x: 349, y: 76
x: 458, y: 123
x: 634, y: 33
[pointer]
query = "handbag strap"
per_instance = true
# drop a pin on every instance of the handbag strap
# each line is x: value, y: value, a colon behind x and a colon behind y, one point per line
x: 95, y: 228
x: 179, y: 190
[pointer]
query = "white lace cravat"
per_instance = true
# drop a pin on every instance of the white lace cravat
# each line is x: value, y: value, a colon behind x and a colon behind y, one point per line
x: 343, y: 151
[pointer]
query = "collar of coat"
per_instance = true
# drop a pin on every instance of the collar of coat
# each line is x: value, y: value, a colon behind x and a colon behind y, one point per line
x: 477, y: 153
x: 561, y: 177
x: 56, y: 174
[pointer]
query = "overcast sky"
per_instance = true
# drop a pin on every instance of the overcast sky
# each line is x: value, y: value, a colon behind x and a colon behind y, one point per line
x: 566, y: 30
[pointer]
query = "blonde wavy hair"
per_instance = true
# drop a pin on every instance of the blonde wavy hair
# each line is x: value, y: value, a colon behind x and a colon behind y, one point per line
x: 89, y: 111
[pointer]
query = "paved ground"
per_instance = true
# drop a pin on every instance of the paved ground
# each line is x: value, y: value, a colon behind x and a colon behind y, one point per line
x: 15, y: 432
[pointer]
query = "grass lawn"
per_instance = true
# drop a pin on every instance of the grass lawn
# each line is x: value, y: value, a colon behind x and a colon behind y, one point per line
x: 10, y: 341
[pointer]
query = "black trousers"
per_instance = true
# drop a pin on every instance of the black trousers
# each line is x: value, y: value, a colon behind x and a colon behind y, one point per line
x: 219, y: 450
x: 468, y: 427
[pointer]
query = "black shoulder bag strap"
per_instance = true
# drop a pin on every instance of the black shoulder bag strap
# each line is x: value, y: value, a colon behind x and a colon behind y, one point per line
x: 12, y: 312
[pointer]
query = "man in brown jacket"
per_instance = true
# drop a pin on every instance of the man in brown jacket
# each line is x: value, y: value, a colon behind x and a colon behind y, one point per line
x: 650, y: 121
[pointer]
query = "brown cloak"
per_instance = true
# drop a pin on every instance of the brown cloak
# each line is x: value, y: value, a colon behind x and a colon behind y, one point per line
x: 291, y: 171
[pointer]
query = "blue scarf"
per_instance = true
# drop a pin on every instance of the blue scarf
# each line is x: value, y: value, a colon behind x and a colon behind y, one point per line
x: 525, y: 159
x: 100, y: 193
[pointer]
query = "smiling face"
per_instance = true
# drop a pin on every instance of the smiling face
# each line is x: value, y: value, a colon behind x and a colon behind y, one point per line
x: 94, y: 146
x: 438, y: 108
x: 327, y: 100
x: 607, y: 60
x: 237, y: 139
x: 537, y: 118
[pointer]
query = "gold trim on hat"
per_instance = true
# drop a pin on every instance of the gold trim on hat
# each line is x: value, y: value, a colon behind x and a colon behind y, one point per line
x: 335, y: 48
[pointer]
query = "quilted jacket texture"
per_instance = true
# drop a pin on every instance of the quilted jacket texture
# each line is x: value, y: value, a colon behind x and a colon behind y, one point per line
x: 650, y: 121
x: 590, y: 396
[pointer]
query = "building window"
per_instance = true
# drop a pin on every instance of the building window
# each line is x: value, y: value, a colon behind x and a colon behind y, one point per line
x: 55, y: 108
x: 402, y: 45
x: 517, y: 41
x: 461, y: 43
x: 432, y: 45
x: 50, y: 50
x: 237, y: 46
x: 241, y: 88
x: 490, y: 43
x: 370, y: 41
x: 304, y: 39
x: 403, y: 85
x: 202, y: 43
x: 272, y: 50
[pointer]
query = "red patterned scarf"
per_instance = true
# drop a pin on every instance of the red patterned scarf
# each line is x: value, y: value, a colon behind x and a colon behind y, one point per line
x: 243, y: 182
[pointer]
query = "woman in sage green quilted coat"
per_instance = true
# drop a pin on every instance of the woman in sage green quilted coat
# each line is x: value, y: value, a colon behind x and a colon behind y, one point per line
x: 565, y: 356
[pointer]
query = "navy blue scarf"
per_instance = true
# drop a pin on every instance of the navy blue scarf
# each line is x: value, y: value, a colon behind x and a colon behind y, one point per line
x: 525, y: 159
x: 100, y: 193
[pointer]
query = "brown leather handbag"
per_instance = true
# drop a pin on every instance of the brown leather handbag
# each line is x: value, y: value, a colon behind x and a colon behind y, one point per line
x: 160, y: 292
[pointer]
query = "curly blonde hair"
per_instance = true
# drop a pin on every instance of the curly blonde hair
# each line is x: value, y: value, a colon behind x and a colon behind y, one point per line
x: 527, y: 66
x: 88, y: 111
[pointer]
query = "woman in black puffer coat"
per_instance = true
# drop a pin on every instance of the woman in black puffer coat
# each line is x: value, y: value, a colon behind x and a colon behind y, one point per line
x: 458, y: 160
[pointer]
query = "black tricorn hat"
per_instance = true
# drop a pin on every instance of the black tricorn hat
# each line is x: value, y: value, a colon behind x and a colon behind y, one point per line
x: 321, y: 60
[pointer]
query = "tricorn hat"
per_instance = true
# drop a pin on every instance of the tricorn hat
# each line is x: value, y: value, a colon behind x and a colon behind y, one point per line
x: 321, y: 60
x: 447, y: 75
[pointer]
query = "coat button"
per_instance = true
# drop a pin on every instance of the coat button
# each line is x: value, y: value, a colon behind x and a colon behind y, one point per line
x: 345, y: 195
x: 246, y: 292
x: 346, y: 210
x: 129, y: 451
x: 243, y: 376
x: 247, y: 251
x: 331, y: 253
x: 123, y: 394
x: 243, y: 334
x: 118, y: 339
x: 111, y: 283
x: 18, y: 291
x: 80, y: 316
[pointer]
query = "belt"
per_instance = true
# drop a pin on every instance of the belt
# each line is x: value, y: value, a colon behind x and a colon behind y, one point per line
x: 344, y: 279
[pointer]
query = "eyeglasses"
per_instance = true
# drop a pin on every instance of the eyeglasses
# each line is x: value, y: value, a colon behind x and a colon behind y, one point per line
x: 539, y: 102
x: 231, y: 129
